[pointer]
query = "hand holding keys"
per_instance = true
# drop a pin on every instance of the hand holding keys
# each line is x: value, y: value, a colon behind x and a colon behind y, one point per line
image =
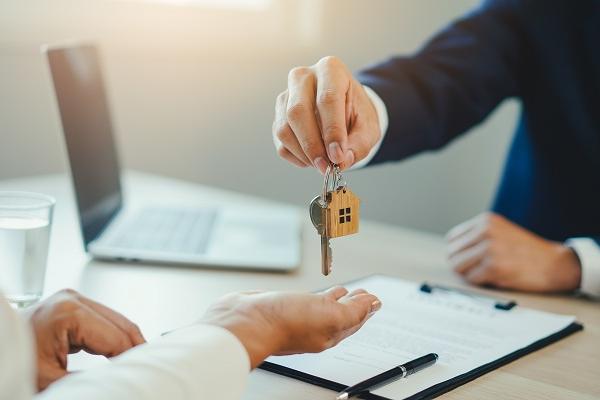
x: 334, y: 213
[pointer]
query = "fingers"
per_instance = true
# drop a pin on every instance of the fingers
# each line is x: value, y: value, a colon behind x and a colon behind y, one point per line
x: 482, y: 222
x: 336, y: 292
x: 94, y: 333
x: 312, y: 116
x: 466, y: 240
x: 464, y: 260
x: 357, y: 309
x: 131, y: 329
x: 468, y: 244
x: 333, y: 85
x: 67, y: 322
x: 290, y: 157
x: 301, y: 114
x: 356, y: 292
x: 480, y: 274
x: 464, y: 227
x: 285, y: 141
x: 357, y: 306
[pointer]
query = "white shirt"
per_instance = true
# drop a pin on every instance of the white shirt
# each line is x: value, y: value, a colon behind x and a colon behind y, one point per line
x: 587, y: 249
x: 198, y: 362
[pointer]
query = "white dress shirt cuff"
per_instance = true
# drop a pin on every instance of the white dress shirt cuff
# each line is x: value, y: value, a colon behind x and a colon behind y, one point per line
x: 382, y: 115
x: 588, y: 252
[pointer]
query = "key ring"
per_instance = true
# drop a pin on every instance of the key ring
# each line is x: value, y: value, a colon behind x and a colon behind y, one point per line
x: 332, y: 169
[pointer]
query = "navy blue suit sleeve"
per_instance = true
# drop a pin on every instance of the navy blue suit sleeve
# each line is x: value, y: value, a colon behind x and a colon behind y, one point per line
x: 452, y: 83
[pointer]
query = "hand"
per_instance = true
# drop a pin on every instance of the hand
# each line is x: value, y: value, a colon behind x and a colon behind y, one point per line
x: 68, y: 322
x: 269, y: 323
x: 324, y: 115
x: 491, y: 250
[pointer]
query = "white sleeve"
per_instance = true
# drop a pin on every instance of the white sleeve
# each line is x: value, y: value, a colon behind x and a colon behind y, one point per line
x: 201, y: 362
x: 588, y: 252
x: 383, y: 125
x: 16, y: 356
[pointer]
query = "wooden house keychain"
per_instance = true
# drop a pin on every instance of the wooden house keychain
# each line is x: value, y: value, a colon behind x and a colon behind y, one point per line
x: 335, y: 213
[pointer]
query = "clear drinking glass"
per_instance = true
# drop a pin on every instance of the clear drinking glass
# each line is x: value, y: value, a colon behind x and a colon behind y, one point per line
x: 25, y: 221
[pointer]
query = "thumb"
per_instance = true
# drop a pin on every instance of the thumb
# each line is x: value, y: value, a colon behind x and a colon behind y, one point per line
x: 95, y: 334
x: 362, y: 137
x: 365, y: 129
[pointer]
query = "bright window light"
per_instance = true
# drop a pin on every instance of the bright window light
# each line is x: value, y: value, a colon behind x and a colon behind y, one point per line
x: 230, y: 4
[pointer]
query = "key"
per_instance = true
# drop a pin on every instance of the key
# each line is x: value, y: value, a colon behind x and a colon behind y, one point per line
x: 334, y: 214
x: 316, y: 214
x: 326, y: 255
x: 317, y: 211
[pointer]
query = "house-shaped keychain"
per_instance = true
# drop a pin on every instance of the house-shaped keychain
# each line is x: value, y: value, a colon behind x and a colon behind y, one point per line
x: 343, y: 213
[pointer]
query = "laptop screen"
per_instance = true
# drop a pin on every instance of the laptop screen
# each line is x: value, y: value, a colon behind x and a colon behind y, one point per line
x: 88, y: 133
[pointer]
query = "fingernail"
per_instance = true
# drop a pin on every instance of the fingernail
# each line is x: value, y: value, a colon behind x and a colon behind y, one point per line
x: 336, y: 154
x: 375, y: 306
x: 320, y: 164
x: 349, y: 158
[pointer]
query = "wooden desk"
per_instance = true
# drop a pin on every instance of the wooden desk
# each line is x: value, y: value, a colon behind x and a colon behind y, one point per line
x: 159, y: 298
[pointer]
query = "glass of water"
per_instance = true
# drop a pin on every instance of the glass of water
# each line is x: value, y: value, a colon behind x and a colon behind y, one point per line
x: 25, y: 221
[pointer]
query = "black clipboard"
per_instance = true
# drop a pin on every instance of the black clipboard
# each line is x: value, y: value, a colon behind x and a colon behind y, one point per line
x: 439, y: 388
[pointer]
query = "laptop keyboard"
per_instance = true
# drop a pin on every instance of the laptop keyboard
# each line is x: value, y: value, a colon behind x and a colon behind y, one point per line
x: 167, y: 230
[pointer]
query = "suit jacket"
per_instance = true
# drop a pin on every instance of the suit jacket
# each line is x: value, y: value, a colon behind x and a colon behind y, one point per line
x: 544, y: 53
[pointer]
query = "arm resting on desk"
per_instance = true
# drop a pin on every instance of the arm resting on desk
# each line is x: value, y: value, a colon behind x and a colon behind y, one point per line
x: 199, y: 362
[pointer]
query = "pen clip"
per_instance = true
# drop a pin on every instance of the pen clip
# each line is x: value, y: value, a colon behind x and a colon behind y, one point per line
x: 499, y: 304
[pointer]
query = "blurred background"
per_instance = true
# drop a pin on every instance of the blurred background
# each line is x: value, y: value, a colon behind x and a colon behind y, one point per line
x: 192, y: 85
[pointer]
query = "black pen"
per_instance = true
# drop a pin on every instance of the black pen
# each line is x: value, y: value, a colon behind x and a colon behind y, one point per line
x: 401, y: 371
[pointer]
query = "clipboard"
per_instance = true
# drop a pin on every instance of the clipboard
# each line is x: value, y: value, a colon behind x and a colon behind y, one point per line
x: 442, y: 387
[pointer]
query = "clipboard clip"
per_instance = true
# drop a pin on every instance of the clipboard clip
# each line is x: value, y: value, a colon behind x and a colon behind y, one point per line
x: 500, y: 304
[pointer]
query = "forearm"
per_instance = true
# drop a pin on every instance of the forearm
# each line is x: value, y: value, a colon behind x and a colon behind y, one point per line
x: 199, y: 362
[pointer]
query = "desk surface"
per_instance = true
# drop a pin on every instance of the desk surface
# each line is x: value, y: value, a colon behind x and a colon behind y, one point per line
x: 159, y: 298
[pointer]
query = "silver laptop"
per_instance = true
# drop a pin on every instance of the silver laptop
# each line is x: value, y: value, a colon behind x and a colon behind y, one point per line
x: 238, y: 237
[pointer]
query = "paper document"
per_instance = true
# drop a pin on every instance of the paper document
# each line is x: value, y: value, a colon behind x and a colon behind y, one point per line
x: 464, y: 332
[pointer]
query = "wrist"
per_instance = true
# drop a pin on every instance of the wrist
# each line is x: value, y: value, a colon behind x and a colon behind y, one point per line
x: 567, y: 267
x: 257, y: 336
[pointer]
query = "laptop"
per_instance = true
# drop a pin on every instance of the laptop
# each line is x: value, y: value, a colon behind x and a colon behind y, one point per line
x: 238, y: 237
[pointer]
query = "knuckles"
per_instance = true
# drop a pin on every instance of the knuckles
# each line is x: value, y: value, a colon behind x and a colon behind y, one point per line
x: 135, y: 328
x: 333, y: 131
x: 491, y: 221
x: 281, y: 97
x: 297, y: 111
x: 67, y: 301
x: 282, y: 152
x: 297, y: 73
x: 330, y: 62
x: 328, y: 97
x: 69, y: 292
x: 283, y: 133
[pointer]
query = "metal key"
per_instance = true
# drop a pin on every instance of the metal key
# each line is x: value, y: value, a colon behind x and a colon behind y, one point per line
x: 317, y: 210
x: 326, y: 255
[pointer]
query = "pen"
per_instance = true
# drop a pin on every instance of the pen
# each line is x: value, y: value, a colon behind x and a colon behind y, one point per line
x: 401, y: 371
